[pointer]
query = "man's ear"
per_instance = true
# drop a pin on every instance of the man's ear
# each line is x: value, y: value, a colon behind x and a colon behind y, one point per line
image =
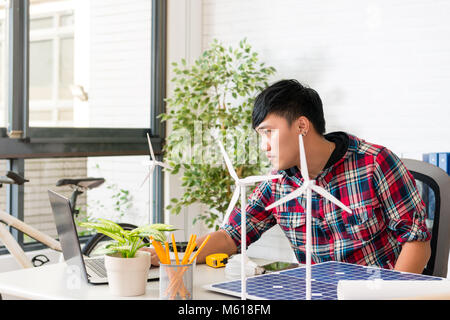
x: 302, y: 125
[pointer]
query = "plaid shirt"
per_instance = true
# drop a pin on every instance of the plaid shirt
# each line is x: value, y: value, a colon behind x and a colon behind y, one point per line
x: 371, y: 180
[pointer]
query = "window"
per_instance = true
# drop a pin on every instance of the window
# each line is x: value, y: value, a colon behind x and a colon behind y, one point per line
x: 121, y: 198
x: 2, y: 65
x: 51, y: 65
x: 88, y: 61
x: 91, y: 99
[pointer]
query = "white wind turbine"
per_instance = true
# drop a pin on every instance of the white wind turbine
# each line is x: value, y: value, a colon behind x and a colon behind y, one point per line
x: 240, y: 190
x: 152, y: 163
x: 308, y: 185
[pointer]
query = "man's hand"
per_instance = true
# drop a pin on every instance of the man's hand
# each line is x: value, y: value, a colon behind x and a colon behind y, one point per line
x: 220, y: 242
x: 413, y: 257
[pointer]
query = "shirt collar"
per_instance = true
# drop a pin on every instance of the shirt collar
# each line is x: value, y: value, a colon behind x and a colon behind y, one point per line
x: 295, y: 175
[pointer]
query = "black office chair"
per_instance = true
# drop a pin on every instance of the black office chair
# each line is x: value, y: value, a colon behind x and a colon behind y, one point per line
x: 433, y: 184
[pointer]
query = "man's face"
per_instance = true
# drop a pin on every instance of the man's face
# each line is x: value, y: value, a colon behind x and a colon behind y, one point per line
x: 279, y: 141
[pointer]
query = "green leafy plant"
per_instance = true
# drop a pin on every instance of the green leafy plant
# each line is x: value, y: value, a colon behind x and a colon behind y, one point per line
x: 215, y: 93
x: 126, y: 242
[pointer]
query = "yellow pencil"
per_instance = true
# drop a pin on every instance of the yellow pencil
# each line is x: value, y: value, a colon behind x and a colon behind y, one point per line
x: 174, y: 245
x: 189, y: 250
x: 200, y: 248
x: 166, y: 244
x: 160, y: 251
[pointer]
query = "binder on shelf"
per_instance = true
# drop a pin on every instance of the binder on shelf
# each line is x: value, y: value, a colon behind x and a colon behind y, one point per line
x: 444, y: 161
x: 433, y: 158
x: 428, y: 193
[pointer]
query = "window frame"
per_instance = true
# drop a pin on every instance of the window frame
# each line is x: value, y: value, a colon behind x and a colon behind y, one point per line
x: 19, y: 141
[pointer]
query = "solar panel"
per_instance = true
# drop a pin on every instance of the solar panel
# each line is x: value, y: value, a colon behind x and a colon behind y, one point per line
x: 290, y: 284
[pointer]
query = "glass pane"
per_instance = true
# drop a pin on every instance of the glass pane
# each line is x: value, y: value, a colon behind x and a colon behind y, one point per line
x: 43, y: 175
x: 101, y: 64
x: 41, y: 23
x: 119, y: 198
x: 41, y: 70
x: 120, y: 64
x: 65, y: 68
x: 2, y: 86
x: 3, y: 64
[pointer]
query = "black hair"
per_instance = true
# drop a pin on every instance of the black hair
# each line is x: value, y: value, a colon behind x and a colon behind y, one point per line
x: 291, y: 100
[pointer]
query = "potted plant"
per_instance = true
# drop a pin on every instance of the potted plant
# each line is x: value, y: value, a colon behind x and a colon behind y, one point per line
x: 126, y: 266
x: 214, y: 93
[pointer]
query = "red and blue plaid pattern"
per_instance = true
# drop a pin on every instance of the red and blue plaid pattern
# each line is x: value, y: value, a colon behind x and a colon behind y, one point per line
x: 387, y: 209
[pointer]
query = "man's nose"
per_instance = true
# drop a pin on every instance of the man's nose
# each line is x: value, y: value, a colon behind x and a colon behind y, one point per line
x: 265, y: 145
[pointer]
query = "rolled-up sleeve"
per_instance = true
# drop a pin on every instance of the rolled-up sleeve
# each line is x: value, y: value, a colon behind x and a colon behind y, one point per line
x: 258, y: 219
x: 396, y: 190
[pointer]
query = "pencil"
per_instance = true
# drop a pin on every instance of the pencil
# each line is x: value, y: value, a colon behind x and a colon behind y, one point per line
x: 191, y: 248
x: 174, y: 245
x: 187, y: 247
x: 166, y: 244
x: 159, y: 251
x: 200, y: 248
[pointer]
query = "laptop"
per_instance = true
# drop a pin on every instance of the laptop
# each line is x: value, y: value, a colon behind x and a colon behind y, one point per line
x: 92, y: 269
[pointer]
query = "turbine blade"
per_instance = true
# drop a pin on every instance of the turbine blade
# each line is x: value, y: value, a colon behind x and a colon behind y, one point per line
x: 234, y: 200
x: 330, y: 197
x: 152, y: 155
x: 146, y: 178
x: 294, y: 194
x: 148, y: 163
x: 150, y: 172
x: 162, y: 164
x: 253, y: 179
x: 303, y: 164
x: 228, y: 162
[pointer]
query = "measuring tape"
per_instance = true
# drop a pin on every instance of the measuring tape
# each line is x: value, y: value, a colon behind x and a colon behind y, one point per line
x: 217, y: 260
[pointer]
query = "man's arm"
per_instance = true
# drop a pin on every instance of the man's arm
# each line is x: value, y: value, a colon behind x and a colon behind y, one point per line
x: 414, y: 256
x: 220, y: 242
x: 404, y: 210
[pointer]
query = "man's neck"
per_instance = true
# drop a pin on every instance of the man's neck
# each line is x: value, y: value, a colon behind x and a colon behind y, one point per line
x: 318, y: 151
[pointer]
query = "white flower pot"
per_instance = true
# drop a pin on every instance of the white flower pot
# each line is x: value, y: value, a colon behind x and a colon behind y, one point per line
x: 128, y: 276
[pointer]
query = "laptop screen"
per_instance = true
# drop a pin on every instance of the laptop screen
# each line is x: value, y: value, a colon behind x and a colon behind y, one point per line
x: 67, y: 232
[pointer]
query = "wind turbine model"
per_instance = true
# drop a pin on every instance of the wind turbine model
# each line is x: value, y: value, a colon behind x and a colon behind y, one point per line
x: 240, y: 190
x: 308, y: 185
x: 152, y: 164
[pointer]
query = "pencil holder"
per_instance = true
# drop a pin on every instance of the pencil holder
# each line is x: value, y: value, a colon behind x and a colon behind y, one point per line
x: 176, y: 281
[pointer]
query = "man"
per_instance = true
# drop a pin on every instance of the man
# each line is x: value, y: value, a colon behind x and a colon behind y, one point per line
x: 387, y: 225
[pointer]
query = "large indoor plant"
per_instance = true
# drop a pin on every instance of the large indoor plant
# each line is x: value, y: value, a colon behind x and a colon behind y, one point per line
x: 126, y: 266
x: 214, y: 93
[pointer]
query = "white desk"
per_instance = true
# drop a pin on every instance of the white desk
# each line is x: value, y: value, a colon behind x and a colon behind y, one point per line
x: 56, y: 282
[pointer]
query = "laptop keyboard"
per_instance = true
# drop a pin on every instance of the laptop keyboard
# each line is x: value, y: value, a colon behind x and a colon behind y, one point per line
x: 97, y: 265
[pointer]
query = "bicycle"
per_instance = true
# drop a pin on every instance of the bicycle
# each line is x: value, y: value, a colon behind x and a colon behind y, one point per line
x: 79, y: 186
x: 8, y: 240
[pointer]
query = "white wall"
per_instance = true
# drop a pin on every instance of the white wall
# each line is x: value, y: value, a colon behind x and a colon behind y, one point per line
x: 381, y: 67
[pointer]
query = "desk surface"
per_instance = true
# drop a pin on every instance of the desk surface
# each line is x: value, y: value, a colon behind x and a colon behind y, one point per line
x: 56, y: 282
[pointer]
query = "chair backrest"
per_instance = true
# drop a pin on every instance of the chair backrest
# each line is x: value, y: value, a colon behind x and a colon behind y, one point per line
x: 433, y: 184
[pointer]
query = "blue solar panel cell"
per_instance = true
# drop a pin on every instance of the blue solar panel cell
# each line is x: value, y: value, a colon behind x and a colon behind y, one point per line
x: 291, y: 284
